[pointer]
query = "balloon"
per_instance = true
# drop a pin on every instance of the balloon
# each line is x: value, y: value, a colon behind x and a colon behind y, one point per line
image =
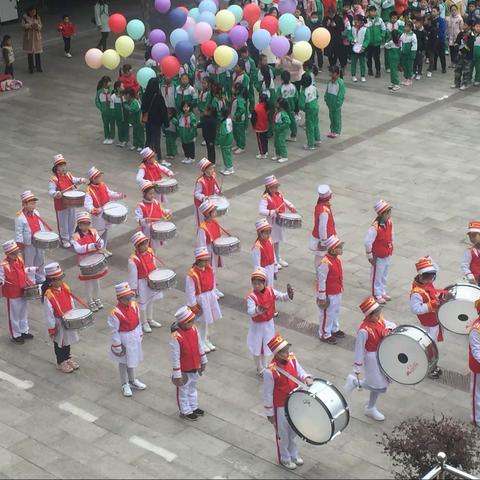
x: 194, y: 13
x: 251, y: 13
x: 117, y: 23
x: 302, y: 32
x: 234, y: 61
x: 279, y: 46
x: 208, y: 48
x: 269, y: 23
x: 160, y: 51
x: 157, y: 36
x: 261, y: 39
x: 223, y: 39
x: 256, y: 26
x: 184, y: 8
x: 208, y: 6
x: 302, y: 51
x: 170, y: 66
x: 183, y: 51
x: 189, y: 23
x: 124, y: 45
x: 207, y: 17
x: 237, y: 12
x: 203, y: 32
x: 136, y: 29
x: 287, y: 23
x: 287, y: 6
x: 267, y: 2
x: 177, y: 17
x: 321, y: 37
x: 162, y: 6
x: 238, y: 35
x: 223, y: 55
x: 178, y: 35
x: 225, y: 20
x: 144, y: 75
x: 93, y: 58
x: 110, y: 59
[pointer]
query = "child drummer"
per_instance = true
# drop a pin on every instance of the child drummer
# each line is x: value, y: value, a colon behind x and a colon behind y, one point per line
x: 201, y: 296
x: 149, y: 211
x: 474, y: 365
x: 140, y: 264
x: 205, y: 186
x: 263, y: 253
x: 14, y: 277
x: 97, y: 195
x: 60, y: 182
x: 86, y: 241
x: 126, y: 349
x: 471, y: 257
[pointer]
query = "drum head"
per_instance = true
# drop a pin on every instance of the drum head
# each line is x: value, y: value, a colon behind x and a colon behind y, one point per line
x: 46, y: 236
x: 223, y: 241
x: 161, y: 274
x: 73, y: 194
x: 290, y: 215
x: 77, y: 313
x: 163, y: 226
x: 219, y: 201
x: 167, y: 182
x: 92, y: 259
x: 115, y: 209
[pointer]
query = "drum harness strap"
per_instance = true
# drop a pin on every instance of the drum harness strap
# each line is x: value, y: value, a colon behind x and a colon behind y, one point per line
x: 44, y: 222
x: 291, y: 377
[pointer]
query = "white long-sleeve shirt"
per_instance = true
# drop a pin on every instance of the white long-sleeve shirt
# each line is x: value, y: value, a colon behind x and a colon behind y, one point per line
x: 52, y: 187
x: 265, y: 212
x: 417, y: 305
x: 23, y: 234
x: 87, y: 247
x: 360, y: 342
x: 141, y: 173
x: 190, y: 294
x: 474, y: 340
x: 466, y: 261
x: 175, y: 353
x: 252, y: 308
x: 112, y: 195
x: 369, y: 240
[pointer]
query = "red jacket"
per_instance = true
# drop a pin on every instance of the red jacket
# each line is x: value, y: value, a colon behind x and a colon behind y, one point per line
x: 129, y: 81
x: 261, y: 124
x: 66, y: 29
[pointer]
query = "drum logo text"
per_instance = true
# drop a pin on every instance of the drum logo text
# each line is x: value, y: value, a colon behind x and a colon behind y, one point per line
x: 411, y: 368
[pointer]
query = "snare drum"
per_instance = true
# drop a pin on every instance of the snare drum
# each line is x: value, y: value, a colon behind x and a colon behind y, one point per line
x: 318, y: 414
x: 73, y: 199
x: 458, y: 313
x: 93, y: 264
x: 161, y: 279
x: 289, y: 220
x: 221, y: 203
x: 32, y: 292
x: 77, y: 318
x: 163, y: 230
x: 226, y: 246
x: 165, y: 186
x: 115, y: 213
x: 407, y: 355
x: 45, y: 240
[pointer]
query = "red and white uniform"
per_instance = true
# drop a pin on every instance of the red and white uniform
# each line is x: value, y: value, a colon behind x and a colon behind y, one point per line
x: 187, y: 355
x: 65, y: 215
x: 208, y: 231
x: 330, y: 286
x: 471, y: 264
x: 269, y: 204
x: 263, y: 255
x: 261, y: 328
x: 204, y: 187
x: 379, y: 245
x: 323, y: 228
x: 124, y: 323
x: 474, y: 365
x: 153, y: 172
x: 276, y: 388
x: 147, y: 213
x: 424, y: 303
x: 86, y: 244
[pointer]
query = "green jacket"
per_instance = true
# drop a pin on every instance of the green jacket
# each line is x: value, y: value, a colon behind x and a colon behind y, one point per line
x: 116, y: 107
x: 187, y: 127
x: 102, y: 100
x: 308, y: 99
x: 243, y: 79
x: 133, y: 109
x: 476, y: 48
x: 239, y: 110
x: 377, y: 31
x: 204, y: 100
x: 225, y: 134
x: 281, y: 122
x: 335, y: 94
x: 289, y: 93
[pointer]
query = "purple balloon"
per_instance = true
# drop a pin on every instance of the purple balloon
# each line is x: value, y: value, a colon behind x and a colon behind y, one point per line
x: 159, y: 51
x: 238, y: 35
x: 279, y: 46
x: 157, y: 36
x: 162, y: 6
x: 223, y: 39
x: 183, y: 51
x: 177, y: 17
x: 287, y: 6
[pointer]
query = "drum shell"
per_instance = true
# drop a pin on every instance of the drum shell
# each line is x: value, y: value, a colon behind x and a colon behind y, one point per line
x: 32, y: 292
x: 162, y: 284
x: 114, y: 219
x: 227, y: 250
x: 93, y: 269
x: 77, y: 323
x: 46, y: 244
x: 165, y: 189
x: 288, y: 222
x: 73, y: 202
x: 162, y: 235
x: 221, y: 203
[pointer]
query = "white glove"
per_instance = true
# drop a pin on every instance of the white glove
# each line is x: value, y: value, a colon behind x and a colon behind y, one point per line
x: 31, y: 269
x: 91, y: 247
x: 117, y: 348
x: 357, y: 369
x: 57, y: 195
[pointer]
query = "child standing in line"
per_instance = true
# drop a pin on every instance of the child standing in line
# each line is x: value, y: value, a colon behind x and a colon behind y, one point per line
x: 409, y: 51
x: 200, y: 72
x: 465, y: 43
x: 476, y: 53
x: 334, y: 97
x: 308, y: 102
x: 260, y: 124
x: 251, y: 71
x: 219, y: 101
x: 393, y: 47
x: 289, y: 93
x: 185, y: 93
x: 208, y: 123
x: 119, y: 114
x: 393, y: 24
x: 8, y: 55
x: 102, y: 102
x: 454, y: 27
x: 67, y: 29
x: 281, y: 122
x: 225, y: 140
x: 167, y: 88
x: 239, y: 114
x: 204, y: 96
x: 129, y: 80
x: 171, y: 133
x: 360, y: 40
x: 134, y: 110
x: 421, y: 35
x: 187, y: 131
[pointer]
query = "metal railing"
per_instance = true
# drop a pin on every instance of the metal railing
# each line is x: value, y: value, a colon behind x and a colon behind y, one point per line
x: 442, y: 468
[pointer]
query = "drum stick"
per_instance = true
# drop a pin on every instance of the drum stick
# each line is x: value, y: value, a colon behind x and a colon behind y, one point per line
x: 160, y: 260
x: 45, y: 223
x: 79, y: 300
x: 290, y: 377
x: 107, y: 209
x: 224, y: 231
x: 358, y: 381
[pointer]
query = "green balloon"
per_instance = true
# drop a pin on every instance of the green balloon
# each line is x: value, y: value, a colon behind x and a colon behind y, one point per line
x: 287, y: 23
x: 135, y: 29
x: 144, y: 75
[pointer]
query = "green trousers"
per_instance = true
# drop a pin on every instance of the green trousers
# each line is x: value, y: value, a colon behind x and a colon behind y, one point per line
x: 358, y: 57
x: 108, y: 125
x: 138, y: 135
x: 293, y: 124
x: 335, y: 115
x: 394, y: 77
x: 227, y: 156
x: 251, y: 99
x: 122, y: 128
x: 280, y: 143
x: 171, y: 143
x: 312, y: 128
x: 407, y: 63
x: 239, y: 132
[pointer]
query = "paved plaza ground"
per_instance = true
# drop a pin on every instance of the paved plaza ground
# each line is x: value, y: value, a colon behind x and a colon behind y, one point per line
x: 416, y: 149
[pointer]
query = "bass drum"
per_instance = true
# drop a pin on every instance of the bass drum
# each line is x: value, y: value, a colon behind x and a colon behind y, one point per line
x: 318, y: 414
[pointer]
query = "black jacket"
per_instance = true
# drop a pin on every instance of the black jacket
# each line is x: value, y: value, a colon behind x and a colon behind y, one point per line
x: 157, y: 109
x: 208, y: 124
x: 465, y: 43
x: 421, y: 39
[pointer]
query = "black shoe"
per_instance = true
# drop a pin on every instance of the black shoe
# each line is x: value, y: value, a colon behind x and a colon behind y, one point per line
x: 18, y: 340
x: 39, y: 70
x: 192, y: 417
x: 331, y: 340
x: 370, y: 73
x: 27, y: 336
x: 31, y: 71
x: 435, y: 374
x: 339, y: 334
x: 377, y: 75
x: 199, y: 412
x: 444, y: 70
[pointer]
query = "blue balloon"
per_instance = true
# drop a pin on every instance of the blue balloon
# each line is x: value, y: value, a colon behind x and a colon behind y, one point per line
x: 194, y: 13
x: 261, y: 39
x: 191, y: 36
x: 234, y: 61
x: 177, y: 17
x: 223, y: 39
x: 178, y: 35
x: 302, y: 33
x: 208, y: 6
x: 183, y: 51
x: 207, y: 17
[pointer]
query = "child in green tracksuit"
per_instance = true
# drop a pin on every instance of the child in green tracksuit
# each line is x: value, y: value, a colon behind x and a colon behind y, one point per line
x: 119, y: 114
x: 204, y: 96
x: 288, y: 92
x: 408, y: 41
x: 134, y: 111
x: 266, y: 85
x: 185, y: 93
x: 171, y: 134
x: 395, y: 24
x: 187, y: 132
x: 476, y: 53
x: 251, y: 71
x: 360, y: 40
x: 102, y: 102
x: 393, y: 47
x: 334, y: 97
x: 239, y: 116
x: 219, y: 101
x: 308, y: 102
x: 224, y: 141
x: 281, y: 125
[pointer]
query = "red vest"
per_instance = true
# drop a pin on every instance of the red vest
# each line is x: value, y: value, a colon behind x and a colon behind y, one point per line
x: 209, y: 187
x: 33, y: 221
x: 472, y: 362
x: 334, y: 284
x: 212, y: 230
x: 319, y: 209
x: 15, y: 278
x: 61, y: 300
x: 99, y: 194
x: 275, y: 202
x: 152, y: 210
x: 62, y: 182
x: 265, y: 299
x: 152, y: 171
x: 475, y: 263
x: 145, y: 263
x: 429, y: 295
x: 128, y: 315
x: 283, y: 385
x: 267, y: 253
x: 376, y: 331
x: 189, y: 351
x: 89, y: 237
x: 203, y: 279
x: 383, y: 246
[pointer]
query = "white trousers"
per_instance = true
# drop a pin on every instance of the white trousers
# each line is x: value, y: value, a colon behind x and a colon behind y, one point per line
x: 126, y: 374
x: 35, y: 257
x: 379, y: 275
x: 203, y: 332
x: 92, y: 288
x: 330, y: 317
x: 286, y: 445
x: 187, y: 397
x: 66, y: 223
x: 475, y: 387
x: 146, y: 313
x: 17, y: 315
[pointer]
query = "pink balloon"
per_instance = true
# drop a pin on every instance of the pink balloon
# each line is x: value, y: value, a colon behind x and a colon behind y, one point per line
x: 189, y: 23
x: 238, y: 35
x: 160, y: 51
x: 202, y: 32
x: 279, y: 46
x: 93, y: 58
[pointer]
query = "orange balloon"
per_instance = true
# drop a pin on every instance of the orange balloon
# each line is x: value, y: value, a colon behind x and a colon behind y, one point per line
x: 321, y: 37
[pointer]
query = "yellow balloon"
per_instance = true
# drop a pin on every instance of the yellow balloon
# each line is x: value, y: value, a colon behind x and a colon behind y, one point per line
x: 321, y: 37
x: 124, y: 46
x: 225, y: 20
x: 256, y: 25
x: 223, y: 55
x: 302, y: 51
x: 110, y: 59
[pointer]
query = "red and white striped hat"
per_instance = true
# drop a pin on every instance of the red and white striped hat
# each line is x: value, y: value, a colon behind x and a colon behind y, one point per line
x: 332, y: 242
x: 201, y: 253
x: 27, y: 196
x: 369, y: 305
x: 426, y: 265
x: 262, y: 224
x: 58, y: 160
x: 146, y: 153
x: 259, y: 273
x: 381, y: 206
x: 137, y: 238
x: 10, y: 246
x: 271, y: 180
x: 146, y: 185
x: 53, y: 270
x: 84, y: 217
x: 183, y: 315
x: 93, y: 172
x: 324, y: 191
x: 474, y: 226
x: 204, y: 163
x: 277, y: 343
x: 123, y: 290
x: 206, y: 207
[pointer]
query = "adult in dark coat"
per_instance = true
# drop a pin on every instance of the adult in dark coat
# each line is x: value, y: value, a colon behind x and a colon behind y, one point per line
x: 335, y: 25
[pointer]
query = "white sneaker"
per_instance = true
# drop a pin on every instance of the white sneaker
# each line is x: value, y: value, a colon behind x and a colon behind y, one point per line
x: 318, y: 143
x: 121, y: 144
x: 375, y: 414
x: 454, y: 86
x: 292, y: 139
x: 106, y: 141
x: 308, y: 147
x: 111, y: 141
x: 139, y: 149
x: 290, y: 465
x: 298, y: 461
x: 218, y: 293
x: 137, y: 385
x: 429, y: 74
x: 354, y: 79
x: 107, y: 253
x: 279, y: 267
x: 185, y: 160
x: 206, y: 349
x: 204, y: 143
x: 388, y: 70
x: 463, y: 87
x: 350, y: 384
x: 476, y: 84
x: 418, y: 77
x: 274, y: 158
x: 227, y: 171
x: 190, y: 160
x: 282, y: 160
x: 380, y: 300
x: 211, y: 346
x: 131, y: 147
x: 363, y: 79
x: 282, y: 262
x: 395, y: 88
x: 154, y: 324
x: 259, y: 156
x: 238, y: 151
x: 66, y: 244
x: 68, y: 55
x: 165, y: 164
x: 126, y: 390
x: 146, y: 328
